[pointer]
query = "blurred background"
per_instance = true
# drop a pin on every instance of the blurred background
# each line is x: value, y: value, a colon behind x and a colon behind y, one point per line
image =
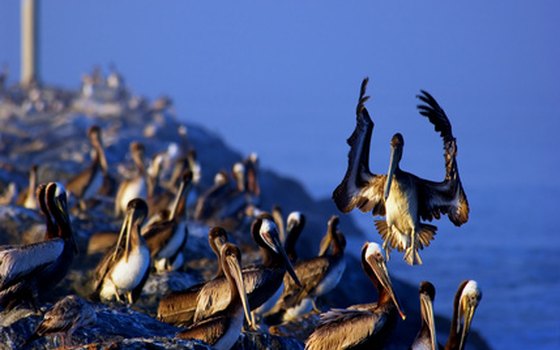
x: 282, y: 79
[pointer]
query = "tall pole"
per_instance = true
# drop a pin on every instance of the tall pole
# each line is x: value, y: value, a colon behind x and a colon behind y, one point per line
x: 29, y: 42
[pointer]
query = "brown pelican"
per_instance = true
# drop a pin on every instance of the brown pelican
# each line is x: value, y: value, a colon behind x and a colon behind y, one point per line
x: 88, y: 183
x: 125, y: 269
x: 28, y: 271
x: 426, y: 337
x: 65, y: 317
x: 362, y: 326
x: 167, y: 238
x: 295, y: 225
x: 318, y: 276
x: 27, y: 197
x: 261, y: 281
x: 222, y: 328
x: 180, y: 306
x: 402, y: 197
x: 252, y: 187
x: 136, y: 187
x: 466, y: 301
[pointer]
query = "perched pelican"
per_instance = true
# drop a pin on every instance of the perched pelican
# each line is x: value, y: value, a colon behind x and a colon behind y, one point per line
x: 28, y: 271
x: 402, y: 197
x: 252, y: 187
x: 261, y: 281
x: 65, y: 317
x: 166, y: 238
x: 365, y: 326
x: 467, y: 298
x: 295, y: 225
x: 426, y: 337
x: 125, y: 269
x: 135, y: 187
x: 318, y: 276
x: 27, y: 198
x: 177, y: 307
x: 88, y: 183
x: 222, y: 329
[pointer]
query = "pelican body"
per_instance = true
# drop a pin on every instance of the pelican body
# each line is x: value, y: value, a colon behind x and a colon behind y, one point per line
x: 125, y: 269
x: 403, y: 198
x: 222, y: 329
x: 28, y: 271
x: 365, y: 326
x: 261, y: 281
x: 426, y: 337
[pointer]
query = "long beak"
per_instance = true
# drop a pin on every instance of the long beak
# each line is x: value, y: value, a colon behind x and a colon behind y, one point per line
x: 325, y: 244
x: 124, y: 227
x: 128, y: 237
x: 178, y: 198
x: 380, y: 270
x: 392, y: 167
x: 289, y: 266
x: 235, y: 271
x: 469, y: 314
x: 63, y: 209
x: 427, y: 311
x: 102, y: 158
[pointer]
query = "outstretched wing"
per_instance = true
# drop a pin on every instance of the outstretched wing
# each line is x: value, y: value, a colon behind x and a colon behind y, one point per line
x: 360, y: 188
x: 448, y: 196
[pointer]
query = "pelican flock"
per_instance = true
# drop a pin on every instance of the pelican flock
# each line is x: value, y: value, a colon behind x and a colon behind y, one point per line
x: 280, y: 282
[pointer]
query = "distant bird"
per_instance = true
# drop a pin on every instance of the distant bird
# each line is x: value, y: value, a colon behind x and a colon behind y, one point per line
x: 123, y: 270
x: 28, y: 271
x: 466, y: 301
x: 66, y: 316
x: 167, y: 238
x: 402, y: 197
x: 89, y: 182
x: 364, y: 326
x: 222, y: 328
x: 318, y: 276
x: 426, y: 338
x: 27, y: 197
x: 135, y: 187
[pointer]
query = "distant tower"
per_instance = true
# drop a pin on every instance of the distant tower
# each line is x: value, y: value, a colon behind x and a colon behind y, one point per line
x: 29, y: 42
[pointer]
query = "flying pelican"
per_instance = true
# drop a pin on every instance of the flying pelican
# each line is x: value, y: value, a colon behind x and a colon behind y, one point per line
x: 426, y: 337
x: 466, y: 301
x: 125, y: 269
x: 28, y: 271
x: 135, y: 187
x: 66, y: 316
x: 318, y: 276
x: 222, y: 329
x: 402, y: 197
x: 364, y: 326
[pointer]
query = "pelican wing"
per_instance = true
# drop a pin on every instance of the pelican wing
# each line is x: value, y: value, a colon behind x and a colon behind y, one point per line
x: 19, y: 262
x: 105, y: 265
x: 310, y: 273
x: 344, y: 328
x: 215, y: 296
x: 448, y: 196
x: 158, y: 235
x: 209, y: 331
x: 360, y: 188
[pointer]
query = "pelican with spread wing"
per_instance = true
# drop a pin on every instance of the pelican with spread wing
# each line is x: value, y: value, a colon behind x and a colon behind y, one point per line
x: 403, y: 198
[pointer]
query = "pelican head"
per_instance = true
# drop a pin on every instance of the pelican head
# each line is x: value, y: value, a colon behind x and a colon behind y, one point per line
x: 469, y: 299
x: 217, y: 237
x: 231, y: 265
x: 136, y: 212
x: 221, y: 178
x: 265, y: 234
x: 57, y: 206
x: 238, y: 171
x: 295, y: 219
x: 137, y: 151
x: 94, y: 135
x: 427, y: 295
x: 372, y: 255
x: 327, y: 239
x: 397, y: 143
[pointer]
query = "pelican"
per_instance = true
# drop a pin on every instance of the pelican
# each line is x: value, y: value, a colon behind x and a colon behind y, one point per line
x: 28, y: 271
x: 402, y: 197
x: 466, y: 301
x: 295, y: 225
x: 261, y: 281
x: 179, y: 306
x: 222, y: 329
x: 125, y: 269
x: 364, y: 326
x: 318, y: 276
x: 66, y: 316
x: 426, y: 337
x: 166, y: 238
x: 135, y: 187
x: 27, y: 197
x: 87, y: 183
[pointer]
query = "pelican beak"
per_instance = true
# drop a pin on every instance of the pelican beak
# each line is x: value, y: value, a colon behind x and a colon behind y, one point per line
x: 427, y: 311
x: 124, y: 228
x: 325, y: 244
x: 62, y: 208
x: 380, y: 270
x: 271, y: 238
x: 468, y: 314
x: 392, y: 167
x: 235, y: 269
